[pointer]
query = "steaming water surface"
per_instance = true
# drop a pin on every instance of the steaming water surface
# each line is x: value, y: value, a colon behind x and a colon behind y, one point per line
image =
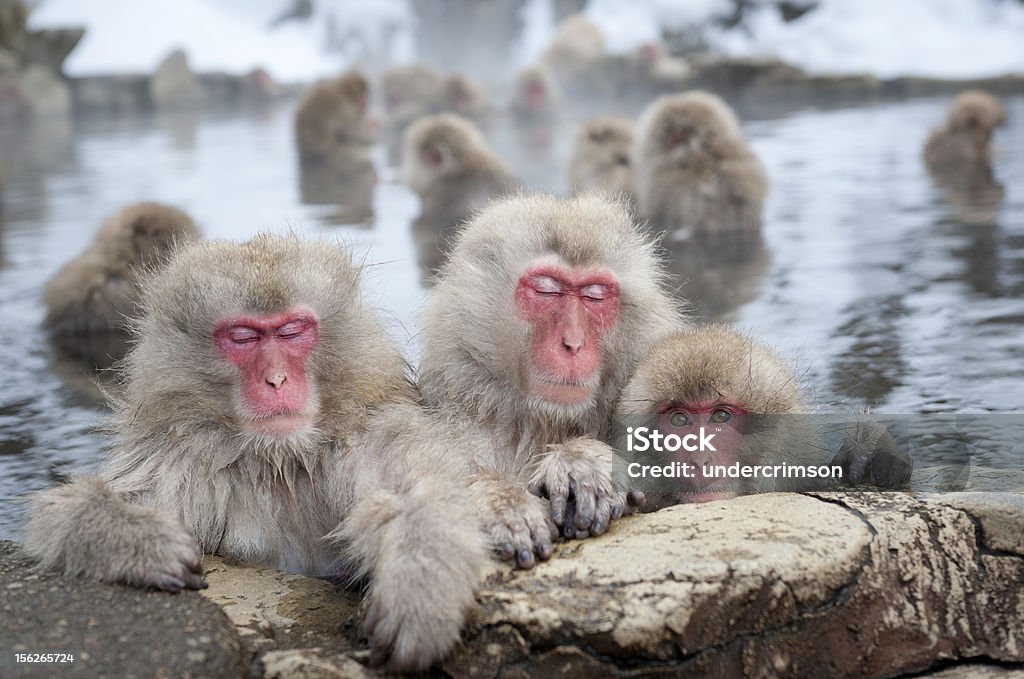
x: 869, y: 280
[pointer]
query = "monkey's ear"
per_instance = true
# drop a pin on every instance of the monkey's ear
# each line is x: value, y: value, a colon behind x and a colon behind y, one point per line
x: 433, y: 156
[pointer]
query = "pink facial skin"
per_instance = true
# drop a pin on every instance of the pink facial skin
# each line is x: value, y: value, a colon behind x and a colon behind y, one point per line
x: 727, y: 421
x: 569, y: 311
x: 270, y: 353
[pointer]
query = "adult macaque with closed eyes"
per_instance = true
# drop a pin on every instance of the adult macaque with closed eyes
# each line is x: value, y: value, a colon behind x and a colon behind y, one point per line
x: 332, y: 122
x: 715, y: 378
x: 600, y: 158
x: 446, y: 160
x: 692, y: 168
x: 267, y: 417
x: 534, y: 325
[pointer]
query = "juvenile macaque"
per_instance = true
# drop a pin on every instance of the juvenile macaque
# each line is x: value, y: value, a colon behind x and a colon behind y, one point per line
x: 601, y: 157
x: 446, y: 160
x: 463, y: 97
x: 91, y: 299
x: 536, y: 322
x: 267, y: 417
x: 577, y: 42
x: 692, y: 168
x: 535, y: 97
x: 958, y: 155
x: 331, y: 122
x: 741, y: 404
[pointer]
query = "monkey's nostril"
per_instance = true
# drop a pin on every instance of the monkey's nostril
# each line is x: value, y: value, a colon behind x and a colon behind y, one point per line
x: 276, y: 379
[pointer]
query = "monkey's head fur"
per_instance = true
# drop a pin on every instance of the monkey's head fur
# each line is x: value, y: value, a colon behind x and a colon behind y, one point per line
x: 975, y: 109
x: 175, y: 379
x: 442, y: 147
x: 712, y: 363
x: 689, y: 128
x: 477, y: 344
x: 144, y: 234
x: 608, y: 140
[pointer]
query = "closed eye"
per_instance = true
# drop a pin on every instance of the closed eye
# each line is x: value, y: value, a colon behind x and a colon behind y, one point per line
x: 595, y: 292
x: 293, y: 329
x: 243, y: 335
x: 545, y: 285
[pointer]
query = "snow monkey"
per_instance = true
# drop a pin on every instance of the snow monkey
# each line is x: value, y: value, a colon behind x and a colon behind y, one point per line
x: 446, y: 160
x: 601, y: 157
x: 692, y: 168
x: 534, y: 325
x: 91, y: 298
x: 267, y: 417
x: 715, y: 380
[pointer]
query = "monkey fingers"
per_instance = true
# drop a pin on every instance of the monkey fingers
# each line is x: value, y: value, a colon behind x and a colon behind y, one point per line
x: 575, y: 477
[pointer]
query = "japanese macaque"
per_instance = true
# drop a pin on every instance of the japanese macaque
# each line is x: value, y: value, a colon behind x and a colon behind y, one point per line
x: 463, y: 97
x: 267, y: 417
x: 742, y: 404
x: 554, y: 303
x: 958, y: 155
x: 601, y: 157
x: 410, y: 92
x: 535, y: 96
x: 332, y: 121
x: 692, y: 168
x: 91, y: 299
x: 577, y: 42
x: 446, y: 160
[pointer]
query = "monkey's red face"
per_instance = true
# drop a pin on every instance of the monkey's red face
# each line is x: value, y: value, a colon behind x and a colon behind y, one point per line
x: 726, y: 422
x: 270, y: 353
x: 569, y: 311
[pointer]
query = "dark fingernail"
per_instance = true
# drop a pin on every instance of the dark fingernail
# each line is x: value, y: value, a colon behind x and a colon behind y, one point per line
x: 568, y: 531
x: 544, y: 551
x: 598, y: 528
x: 525, y: 558
x: 505, y: 551
x: 172, y: 584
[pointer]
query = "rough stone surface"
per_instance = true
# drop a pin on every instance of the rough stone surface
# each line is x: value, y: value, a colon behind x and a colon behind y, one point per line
x: 112, y: 631
x: 779, y: 585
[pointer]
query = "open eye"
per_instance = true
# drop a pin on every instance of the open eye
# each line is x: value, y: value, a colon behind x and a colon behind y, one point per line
x: 546, y: 285
x: 243, y: 335
x: 292, y: 330
x: 678, y: 419
x: 720, y: 415
x: 595, y: 292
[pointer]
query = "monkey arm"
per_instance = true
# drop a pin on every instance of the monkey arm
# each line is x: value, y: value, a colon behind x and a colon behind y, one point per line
x: 412, y: 529
x: 84, y: 528
x: 868, y: 455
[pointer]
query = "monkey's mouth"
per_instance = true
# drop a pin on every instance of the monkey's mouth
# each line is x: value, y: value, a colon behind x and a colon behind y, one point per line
x: 281, y: 425
x: 563, y: 392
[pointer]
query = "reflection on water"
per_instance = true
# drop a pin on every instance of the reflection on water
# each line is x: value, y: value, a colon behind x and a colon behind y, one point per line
x: 868, y: 273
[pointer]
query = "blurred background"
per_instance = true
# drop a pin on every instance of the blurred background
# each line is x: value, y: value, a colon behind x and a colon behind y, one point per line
x: 886, y: 290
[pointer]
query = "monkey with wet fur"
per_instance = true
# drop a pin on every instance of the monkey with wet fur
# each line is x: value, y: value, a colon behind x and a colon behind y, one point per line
x: 715, y: 382
x: 332, y: 121
x: 267, y: 417
x: 692, y: 168
x: 90, y: 300
x: 447, y: 161
x: 601, y: 157
x: 554, y: 303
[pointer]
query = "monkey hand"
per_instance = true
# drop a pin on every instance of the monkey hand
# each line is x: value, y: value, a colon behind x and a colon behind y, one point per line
x: 576, y: 477
x: 110, y: 539
x: 518, y: 523
x: 869, y: 455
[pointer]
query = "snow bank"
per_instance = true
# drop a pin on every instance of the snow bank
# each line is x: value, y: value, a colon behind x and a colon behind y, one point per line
x: 941, y: 38
x: 133, y: 36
